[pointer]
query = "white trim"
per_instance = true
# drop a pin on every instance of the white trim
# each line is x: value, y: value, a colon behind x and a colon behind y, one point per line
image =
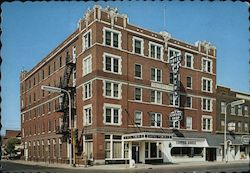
x: 83, y: 90
x: 89, y: 106
x: 191, y: 102
x: 156, y: 97
x: 135, y: 94
x: 203, y: 69
x: 112, y: 106
x: 211, y: 104
x: 83, y: 40
x: 112, y: 57
x: 156, y: 45
x: 174, y: 50
x: 155, y: 119
x: 135, y: 71
x: 84, y: 63
x: 192, y: 60
x: 142, y: 45
x: 141, y: 114
x: 211, y: 85
x: 155, y: 76
x: 104, y: 29
x: 189, y: 118
x: 211, y: 123
x: 112, y: 89
x: 191, y: 82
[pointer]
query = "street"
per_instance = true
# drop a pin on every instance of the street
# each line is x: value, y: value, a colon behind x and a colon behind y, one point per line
x: 12, y: 167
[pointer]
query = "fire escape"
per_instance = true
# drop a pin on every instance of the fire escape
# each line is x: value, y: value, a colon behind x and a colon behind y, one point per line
x: 69, y: 85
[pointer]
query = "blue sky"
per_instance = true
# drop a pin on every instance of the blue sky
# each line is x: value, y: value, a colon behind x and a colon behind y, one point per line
x: 31, y: 30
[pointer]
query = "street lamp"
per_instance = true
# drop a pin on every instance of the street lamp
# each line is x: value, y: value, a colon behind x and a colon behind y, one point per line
x: 60, y: 90
x: 234, y: 103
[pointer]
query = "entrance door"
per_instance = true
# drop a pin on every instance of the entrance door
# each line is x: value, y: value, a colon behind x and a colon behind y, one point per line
x: 135, y: 153
x: 210, y: 154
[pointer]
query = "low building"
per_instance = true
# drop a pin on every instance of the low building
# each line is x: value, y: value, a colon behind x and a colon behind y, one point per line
x: 237, y: 121
x: 12, y: 134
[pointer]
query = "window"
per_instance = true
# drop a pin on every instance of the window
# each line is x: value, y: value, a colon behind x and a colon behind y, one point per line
x: 206, y: 65
x: 155, y: 74
x: 49, y: 109
x: 112, y: 38
x: 138, y: 45
x: 189, y: 123
x: 87, y: 90
x: 112, y: 63
x: 156, y: 97
x: 173, y: 52
x: 156, y: 50
x: 207, y: 85
x: 87, y: 115
x: 155, y: 119
x: 171, y: 78
x: 246, y: 127
x: 232, y: 110
x: 138, y: 118
x: 189, y: 82
x: 138, y: 94
x: 189, y: 102
x: 239, y: 110
x: 42, y: 74
x: 222, y: 107
x: 86, y: 40
x: 87, y: 65
x: 206, y: 104
x: 54, y: 148
x: 206, y: 123
x: 189, y: 60
x: 48, y: 70
x: 112, y: 89
x: 171, y: 100
x: 60, y: 149
x: 246, y: 111
x: 138, y: 71
x: 174, y: 124
x: 112, y: 114
x: 113, y: 143
x: 60, y: 61
x: 239, y: 127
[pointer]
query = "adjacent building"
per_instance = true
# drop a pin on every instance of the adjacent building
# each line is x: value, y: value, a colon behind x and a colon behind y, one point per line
x: 238, y: 122
x: 125, y: 82
x: 8, y: 135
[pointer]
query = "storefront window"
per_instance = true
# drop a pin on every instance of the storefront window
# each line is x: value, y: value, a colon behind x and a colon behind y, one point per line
x: 146, y: 150
x: 125, y: 149
x: 117, y: 149
x: 153, y: 150
x: 89, y: 146
x: 186, y: 151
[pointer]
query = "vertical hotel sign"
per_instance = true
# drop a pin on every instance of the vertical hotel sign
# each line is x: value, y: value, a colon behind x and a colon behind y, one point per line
x: 175, y: 61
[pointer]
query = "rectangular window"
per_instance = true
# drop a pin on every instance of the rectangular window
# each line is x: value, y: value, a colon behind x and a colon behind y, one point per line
x: 86, y: 40
x: 156, y: 97
x: 233, y: 110
x: 173, y: 53
x: 155, y: 50
x: 206, y: 65
x: 49, y: 109
x: 189, y: 123
x: 156, y: 75
x: 138, y: 94
x: 48, y: 70
x: 246, y: 111
x: 189, y: 60
x: 239, y: 127
x: 239, y: 110
x: 189, y: 102
x: 246, y: 127
x: 138, y: 71
x: 42, y: 74
x: 54, y: 148
x: 222, y: 107
x: 171, y: 78
x: 171, y: 100
x: 206, y: 123
x: 138, y: 45
x: 87, y: 115
x: 206, y: 104
x: 60, y: 61
x: 189, y: 82
x: 87, y: 65
x: 112, y: 38
x: 112, y: 63
x: 112, y: 115
x: 87, y: 90
x: 138, y: 118
x: 207, y: 85
x: 155, y: 119
x: 112, y: 89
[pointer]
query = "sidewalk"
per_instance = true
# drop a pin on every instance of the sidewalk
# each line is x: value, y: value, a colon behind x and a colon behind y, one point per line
x: 126, y: 166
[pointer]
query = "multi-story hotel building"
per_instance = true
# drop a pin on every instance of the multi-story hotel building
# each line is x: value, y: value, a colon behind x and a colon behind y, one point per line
x: 237, y: 120
x: 122, y: 81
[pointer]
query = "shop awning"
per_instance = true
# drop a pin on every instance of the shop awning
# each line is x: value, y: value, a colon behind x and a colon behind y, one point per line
x: 147, y: 136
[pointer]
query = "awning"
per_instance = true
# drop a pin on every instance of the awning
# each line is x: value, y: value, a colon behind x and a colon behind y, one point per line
x: 146, y: 136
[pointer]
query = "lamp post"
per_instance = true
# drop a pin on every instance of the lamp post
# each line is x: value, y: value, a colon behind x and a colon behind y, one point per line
x: 60, y: 90
x: 234, y: 103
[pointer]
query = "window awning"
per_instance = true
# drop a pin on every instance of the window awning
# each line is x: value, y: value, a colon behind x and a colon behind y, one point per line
x: 146, y: 136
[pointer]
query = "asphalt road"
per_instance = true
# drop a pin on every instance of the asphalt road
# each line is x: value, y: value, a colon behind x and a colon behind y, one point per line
x: 10, y: 167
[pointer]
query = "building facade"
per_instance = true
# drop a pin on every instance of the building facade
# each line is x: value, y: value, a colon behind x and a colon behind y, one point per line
x: 124, y: 84
x: 238, y: 122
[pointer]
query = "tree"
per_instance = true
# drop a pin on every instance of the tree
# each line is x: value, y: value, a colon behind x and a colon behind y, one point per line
x: 10, y: 147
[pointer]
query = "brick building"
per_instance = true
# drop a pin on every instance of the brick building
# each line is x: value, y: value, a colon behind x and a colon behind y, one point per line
x: 238, y: 122
x: 122, y: 85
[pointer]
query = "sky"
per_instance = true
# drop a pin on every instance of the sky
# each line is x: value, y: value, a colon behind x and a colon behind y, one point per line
x: 31, y: 30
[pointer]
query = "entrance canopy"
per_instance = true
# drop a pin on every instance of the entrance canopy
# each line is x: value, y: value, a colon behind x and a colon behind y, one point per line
x: 146, y: 136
